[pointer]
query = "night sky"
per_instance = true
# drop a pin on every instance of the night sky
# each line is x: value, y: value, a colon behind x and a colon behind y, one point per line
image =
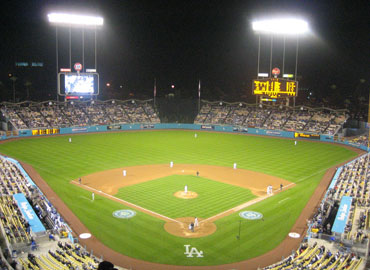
x: 180, y: 42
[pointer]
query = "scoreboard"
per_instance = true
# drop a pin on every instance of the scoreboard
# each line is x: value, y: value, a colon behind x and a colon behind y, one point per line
x: 275, y: 88
x: 45, y: 131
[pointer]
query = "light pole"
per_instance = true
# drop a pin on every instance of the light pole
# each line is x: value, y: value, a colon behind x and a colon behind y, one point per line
x: 280, y: 27
x: 13, y: 79
x: 75, y: 21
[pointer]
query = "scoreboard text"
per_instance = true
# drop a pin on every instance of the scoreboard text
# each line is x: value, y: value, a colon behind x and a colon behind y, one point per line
x: 46, y: 131
x: 275, y: 88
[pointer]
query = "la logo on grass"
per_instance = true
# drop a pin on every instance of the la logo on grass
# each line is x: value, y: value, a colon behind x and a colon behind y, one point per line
x: 190, y: 252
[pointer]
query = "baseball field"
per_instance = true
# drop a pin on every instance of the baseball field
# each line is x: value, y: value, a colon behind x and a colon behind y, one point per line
x: 158, y: 231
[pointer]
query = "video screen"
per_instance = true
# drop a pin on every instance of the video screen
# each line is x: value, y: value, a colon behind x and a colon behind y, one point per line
x: 81, y: 84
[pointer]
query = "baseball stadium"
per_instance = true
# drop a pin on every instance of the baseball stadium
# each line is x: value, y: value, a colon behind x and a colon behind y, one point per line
x: 104, y: 176
x: 136, y: 188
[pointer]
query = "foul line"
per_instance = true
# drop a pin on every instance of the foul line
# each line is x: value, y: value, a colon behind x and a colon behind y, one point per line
x: 215, y: 217
x: 240, y: 207
x: 283, y: 200
x: 306, y: 177
x: 127, y: 203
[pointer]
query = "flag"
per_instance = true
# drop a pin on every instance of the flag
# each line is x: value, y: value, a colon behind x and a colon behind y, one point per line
x: 199, y: 89
x: 155, y: 87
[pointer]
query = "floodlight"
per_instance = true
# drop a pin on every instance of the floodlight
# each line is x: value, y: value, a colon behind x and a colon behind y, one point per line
x: 75, y: 19
x: 285, y: 26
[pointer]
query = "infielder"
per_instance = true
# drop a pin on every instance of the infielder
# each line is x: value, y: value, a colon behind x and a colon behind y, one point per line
x: 196, y: 223
x: 234, y: 166
x: 124, y: 172
x: 171, y: 164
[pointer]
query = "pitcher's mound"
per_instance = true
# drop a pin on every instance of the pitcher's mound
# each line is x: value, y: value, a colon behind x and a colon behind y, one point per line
x: 187, y: 195
x: 182, y: 228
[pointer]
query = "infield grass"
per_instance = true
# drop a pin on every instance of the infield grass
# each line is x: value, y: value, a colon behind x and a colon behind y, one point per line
x: 143, y: 236
x: 157, y: 195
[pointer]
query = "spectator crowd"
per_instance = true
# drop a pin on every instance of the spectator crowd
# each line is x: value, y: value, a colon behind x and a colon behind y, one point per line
x: 304, y: 119
x: 53, y: 114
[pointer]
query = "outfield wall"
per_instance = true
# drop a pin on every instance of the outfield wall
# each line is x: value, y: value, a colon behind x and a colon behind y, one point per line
x: 205, y: 127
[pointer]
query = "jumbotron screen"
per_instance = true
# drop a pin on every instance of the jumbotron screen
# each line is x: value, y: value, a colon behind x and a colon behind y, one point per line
x: 79, y: 84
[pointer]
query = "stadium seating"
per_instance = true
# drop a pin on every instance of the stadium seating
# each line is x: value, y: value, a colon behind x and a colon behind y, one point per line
x: 317, y: 257
x: 314, y: 120
x: 76, y: 114
x: 13, y: 224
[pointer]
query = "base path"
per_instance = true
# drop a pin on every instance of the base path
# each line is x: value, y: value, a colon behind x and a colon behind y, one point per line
x: 273, y: 256
x: 110, y: 181
x: 107, y: 183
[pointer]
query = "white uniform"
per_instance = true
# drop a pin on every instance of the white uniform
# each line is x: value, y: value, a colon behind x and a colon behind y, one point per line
x: 196, y: 223
x: 186, y: 189
x: 93, y: 196
x: 234, y: 166
x: 124, y: 172
x: 171, y: 164
x: 295, y: 142
x: 70, y: 139
x: 195, y: 135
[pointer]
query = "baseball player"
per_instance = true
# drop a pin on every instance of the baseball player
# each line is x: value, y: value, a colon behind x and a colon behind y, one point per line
x: 124, y: 172
x: 234, y: 166
x: 186, y: 189
x: 93, y: 196
x: 70, y: 140
x: 171, y: 164
x: 196, y: 223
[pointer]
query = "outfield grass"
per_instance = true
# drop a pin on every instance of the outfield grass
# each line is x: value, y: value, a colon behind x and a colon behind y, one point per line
x: 143, y: 237
x: 213, y: 197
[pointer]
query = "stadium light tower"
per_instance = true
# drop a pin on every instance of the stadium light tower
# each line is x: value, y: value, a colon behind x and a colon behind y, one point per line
x: 77, y: 21
x: 280, y: 27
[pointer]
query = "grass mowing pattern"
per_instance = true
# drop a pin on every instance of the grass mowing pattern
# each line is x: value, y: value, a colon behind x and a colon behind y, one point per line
x: 143, y: 237
x: 157, y: 195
